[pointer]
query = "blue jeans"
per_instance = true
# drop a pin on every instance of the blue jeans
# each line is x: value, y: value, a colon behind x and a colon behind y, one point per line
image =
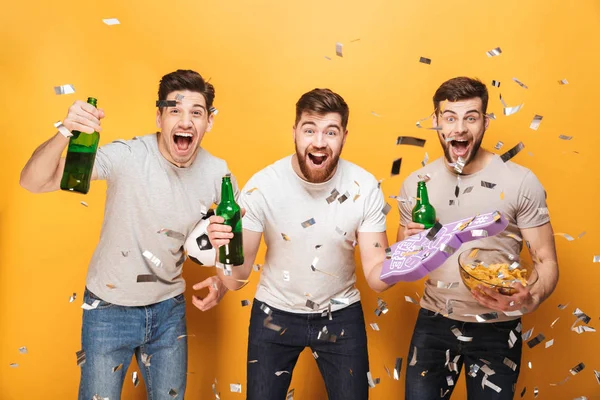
x: 432, y: 337
x: 343, y: 364
x: 111, y: 334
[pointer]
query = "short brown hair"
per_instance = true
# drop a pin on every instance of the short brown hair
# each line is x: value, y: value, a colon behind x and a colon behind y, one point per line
x: 185, y: 79
x: 322, y: 101
x: 461, y: 88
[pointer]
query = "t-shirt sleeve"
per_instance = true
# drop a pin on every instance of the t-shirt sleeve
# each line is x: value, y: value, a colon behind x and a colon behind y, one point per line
x: 110, y: 158
x: 374, y: 216
x: 404, y: 206
x: 532, y: 209
x: 253, y: 200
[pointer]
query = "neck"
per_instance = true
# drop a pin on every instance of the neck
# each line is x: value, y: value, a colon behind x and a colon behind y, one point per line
x: 479, y: 162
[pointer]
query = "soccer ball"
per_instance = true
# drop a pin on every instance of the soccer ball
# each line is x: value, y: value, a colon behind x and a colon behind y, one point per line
x: 197, y: 245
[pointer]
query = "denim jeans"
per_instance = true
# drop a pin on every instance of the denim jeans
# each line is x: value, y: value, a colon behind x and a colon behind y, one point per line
x: 343, y: 364
x: 430, y: 378
x: 111, y: 334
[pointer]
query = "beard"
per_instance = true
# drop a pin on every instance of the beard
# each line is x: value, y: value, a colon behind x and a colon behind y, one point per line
x: 471, y: 155
x: 320, y: 175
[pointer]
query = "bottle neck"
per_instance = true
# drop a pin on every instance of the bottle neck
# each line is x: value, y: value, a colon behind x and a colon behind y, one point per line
x: 422, y: 196
x: 227, y: 190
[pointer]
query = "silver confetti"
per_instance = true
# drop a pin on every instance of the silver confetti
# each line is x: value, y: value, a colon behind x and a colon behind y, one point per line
x: 173, y: 393
x: 410, y: 300
x: 425, y: 60
x: 83, y: 203
x: 111, y: 21
x: 495, y: 83
x: 499, y: 145
x: 535, y: 124
x: 135, y: 379
x: 308, y: 222
x: 494, y: 387
x: 92, y: 306
x: 343, y: 197
x: 338, y: 49
x: 563, y: 82
x: 488, y: 185
x: 147, y: 278
x: 596, y: 259
x: 290, y: 395
x: 311, y: 304
x: 172, y: 234
x: 444, y: 285
x: 564, y: 137
x: 64, y: 89
x: 410, y: 141
x: 425, y: 160
x: 285, y: 237
x: 146, y: 359
x: 13, y: 365
x: 468, y: 190
x: 80, y: 357
x: 512, y: 152
x: 524, y: 86
x: 180, y: 97
x: 494, y: 52
x: 479, y: 233
x: 370, y: 380
x: 315, y: 355
x: 512, y: 110
x: 491, y: 116
x: 118, y: 367
x: 235, y: 387
x: 386, y: 209
x: 269, y: 325
x: 286, y: 276
x: 413, y: 361
x: 23, y: 350
x: 549, y: 343
x: 536, y: 340
x: 527, y: 335
x: 331, y: 198
x: 152, y: 258
x: 73, y: 297
x: 510, y: 364
x: 398, y: 368
x: 597, y: 375
x: 340, y: 300
x: 577, y: 369
x: 486, y: 317
x: 245, y: 303
x: 374, y: 326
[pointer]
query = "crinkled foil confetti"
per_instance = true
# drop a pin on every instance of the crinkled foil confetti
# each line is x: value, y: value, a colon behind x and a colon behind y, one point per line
x: 135, y: 379
x: 396, y: 166
x: 235, y: 387
x: 370, y: 380
x: 512, y: 152
x: 494, y: 52
x: 410, y: 300
x: 444, y: 285
x: 535, y: 123
x: 23, y: 350
x: 518, y: 82
x: 172, y: 234
x: 494, y: 387
x: 340, y: 300
x: 290, y: 395
x: 64, y: 89
x: 410, y: 141
x: 73, y: 297
x: 510, y: 363
x: 13, y: 365
x: 596, y: 259
x: 173, y: 393
x: 486, y: 317
x: 111, y: 21
x: 459, y: 335
x: 245, y: 303
x: 413, y: 360
x: 386, y: 209
x: 339, y: 49
x: 146, y: 359
x: 308, y: 222
x: 425, y: 160
x: 80, y: 357
x: 536, y: 340
x: 214, y: 388
x: 434, y: 231
x: 92, y: 306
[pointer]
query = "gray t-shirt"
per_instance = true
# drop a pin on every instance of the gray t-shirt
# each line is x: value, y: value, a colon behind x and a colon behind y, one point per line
x: 516, y: 192
x: 145, y: 195
x: 302, y: 228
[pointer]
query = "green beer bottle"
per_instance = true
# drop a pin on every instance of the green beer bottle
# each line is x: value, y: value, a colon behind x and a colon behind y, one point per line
x: 423, y: 212
x: 232, y: 253
x: 81, y: 155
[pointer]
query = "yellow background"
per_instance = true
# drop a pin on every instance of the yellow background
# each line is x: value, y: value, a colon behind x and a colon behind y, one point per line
x: 261, y: 56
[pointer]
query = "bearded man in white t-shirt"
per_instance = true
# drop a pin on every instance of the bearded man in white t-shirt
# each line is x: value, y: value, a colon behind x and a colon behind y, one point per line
x: 312, y: 208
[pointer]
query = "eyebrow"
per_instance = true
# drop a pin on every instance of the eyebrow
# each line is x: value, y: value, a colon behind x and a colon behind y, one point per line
x: 468, y: 112
x: 327, y: 127
x: 193, y: 105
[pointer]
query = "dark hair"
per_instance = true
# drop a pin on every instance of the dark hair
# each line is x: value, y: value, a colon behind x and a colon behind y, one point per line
x: 185, y: 79
x: 461, y: 88
x: 322, y: 101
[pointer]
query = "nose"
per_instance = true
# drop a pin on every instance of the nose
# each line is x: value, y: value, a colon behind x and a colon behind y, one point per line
x: 319, y: 140
x: 186, y: 120
x: 460, y: 126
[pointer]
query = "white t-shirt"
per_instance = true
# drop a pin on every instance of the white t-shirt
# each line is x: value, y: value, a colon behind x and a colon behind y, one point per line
x: 303, y: 225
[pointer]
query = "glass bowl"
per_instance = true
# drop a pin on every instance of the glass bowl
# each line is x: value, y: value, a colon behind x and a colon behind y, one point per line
x: 495, y: 269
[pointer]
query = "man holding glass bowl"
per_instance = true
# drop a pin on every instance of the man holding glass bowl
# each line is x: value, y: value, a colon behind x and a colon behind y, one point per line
x: 471, y: 326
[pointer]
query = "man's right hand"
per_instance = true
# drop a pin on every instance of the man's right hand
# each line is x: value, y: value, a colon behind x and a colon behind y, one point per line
x: 83, y: 117
x: 412, y: 228
x: 218, y: 233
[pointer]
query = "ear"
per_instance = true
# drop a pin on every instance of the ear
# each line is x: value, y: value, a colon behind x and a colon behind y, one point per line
x: 345, y: 136
x: 487, y: 121
x: 211, y: 120
x: 434, y: 120
x: 158, y: 121
x: 294, y: 133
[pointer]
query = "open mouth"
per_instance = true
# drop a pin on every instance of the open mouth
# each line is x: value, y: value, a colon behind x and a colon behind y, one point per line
x: 460, y: 148
x: 183, y: 141
x: 318, y: 159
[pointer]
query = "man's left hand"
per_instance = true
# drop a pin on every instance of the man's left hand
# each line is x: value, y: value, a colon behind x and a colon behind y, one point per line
x: 216, y: 291
x: 521, y: 299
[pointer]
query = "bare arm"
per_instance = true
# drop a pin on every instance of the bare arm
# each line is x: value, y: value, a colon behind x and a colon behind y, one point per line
x: 219, y: 235
x: 543, y: 252
x: 44, y: 169
x: 372, y: 255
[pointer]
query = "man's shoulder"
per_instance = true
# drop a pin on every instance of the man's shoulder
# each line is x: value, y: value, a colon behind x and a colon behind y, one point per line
x: 357, y: 173
x: 432, y: 169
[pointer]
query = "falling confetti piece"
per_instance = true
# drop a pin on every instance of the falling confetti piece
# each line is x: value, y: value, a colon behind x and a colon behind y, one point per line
x: 245, y: 303
x: 536, y: 340
x: 396, y: 166
x: 425, y: 159
x: 285, y: 237
x: 308, y: 222
x: 235, y: 387
x: 375, y: 114
x: 172, y: 234
x: 425, y: 60
x: 410, y: 141
x: 111, y: 21
x: 83, y: 203
x: 73, y: 297
x: 166, y: 103
x: 13, y: 365
x: 577, y: 369
x: 597, y: 259
x: 565, y: 235
x: 147, y: 278
x: 549, y: 343
x: 494, y: 52
x: 80, y: 357
x: 279, y: 373
x: 499, y: 145
x: 374, y: 326
x: 118, y: 367
x: 290, y: 395
x: 554, y: 322
x: 564, y: 137
x: 146, y: 359
x: 134, y: 379
x: 563, y: 82
x: 338, y: 49
x: 512, y: 152
x: 64, y: 89
x: 92, y: 306
x: 535, y: 124
x: 524, y: 86
x: 173, y: 393
x: 410, y: 300
x: 495, y: 83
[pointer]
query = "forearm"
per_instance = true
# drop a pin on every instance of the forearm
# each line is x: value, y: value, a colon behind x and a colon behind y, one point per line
x: 547, y: 280
x: 373, y: 274
x: 41, y: 173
